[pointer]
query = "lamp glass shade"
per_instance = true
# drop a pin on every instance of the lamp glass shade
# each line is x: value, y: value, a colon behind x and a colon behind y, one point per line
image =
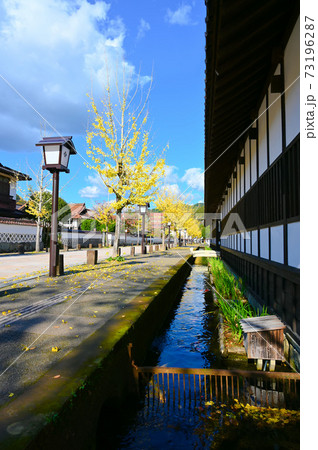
x: 65, y: 156
x: 51, y: 154
x: 142, y: 209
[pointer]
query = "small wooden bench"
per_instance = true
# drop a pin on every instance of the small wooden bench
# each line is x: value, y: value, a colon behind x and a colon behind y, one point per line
x: 263, y: 339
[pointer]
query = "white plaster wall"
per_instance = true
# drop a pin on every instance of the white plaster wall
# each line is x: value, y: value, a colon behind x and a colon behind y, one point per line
x: 277, y: 244
x: 293, y: 233
x: 248, y: 242
x: 247, y: 166
x: 262, y: 138
x: 275, y: 126
x: 254, y: 243
x: 233, y: 191
x: 253, y: 161
x: 17, y: 229
x: 238, y: 181
x: 13, y: 188
x: 292, y: 93
x: 264, y: 243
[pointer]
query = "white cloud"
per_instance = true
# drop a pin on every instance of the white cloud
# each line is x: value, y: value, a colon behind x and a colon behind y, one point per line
x: 95, y: 189
x: 182, y: 16
x: 194, y: 178
x: 53, y: 52
x: 90, y: 192
x: 173, y: 189
x: 142, y: 29
x: 171, y: 176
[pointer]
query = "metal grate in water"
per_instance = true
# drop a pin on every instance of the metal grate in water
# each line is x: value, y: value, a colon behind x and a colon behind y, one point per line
x: 185, y: 387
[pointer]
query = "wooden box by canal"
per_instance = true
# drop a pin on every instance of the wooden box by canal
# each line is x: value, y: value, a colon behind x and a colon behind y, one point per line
x: 263, y: 337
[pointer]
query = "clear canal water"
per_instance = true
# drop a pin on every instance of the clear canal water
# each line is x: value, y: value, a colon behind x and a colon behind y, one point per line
x: 188, y: 339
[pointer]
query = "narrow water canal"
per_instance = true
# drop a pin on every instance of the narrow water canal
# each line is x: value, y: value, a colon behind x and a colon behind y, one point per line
x: 189, y: 339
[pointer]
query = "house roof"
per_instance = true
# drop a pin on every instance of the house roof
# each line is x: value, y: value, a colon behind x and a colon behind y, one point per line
x: 13, y: 173
x: 79, y: 211
x: 245, y: 40
x: 17, y: 221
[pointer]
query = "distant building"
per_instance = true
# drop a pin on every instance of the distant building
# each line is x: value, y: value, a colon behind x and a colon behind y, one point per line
x: 79, y: 212
x: 15, y: 227
x: 155, y: 223
x: 8, y: 191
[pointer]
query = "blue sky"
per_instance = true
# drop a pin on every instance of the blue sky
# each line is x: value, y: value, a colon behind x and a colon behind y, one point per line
x: 53, y: 52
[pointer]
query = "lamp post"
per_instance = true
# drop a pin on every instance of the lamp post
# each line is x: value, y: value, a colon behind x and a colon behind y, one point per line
x: 143, y: 211
x: 56, y: 152
x: 169, y: 225
x: 126, y: 231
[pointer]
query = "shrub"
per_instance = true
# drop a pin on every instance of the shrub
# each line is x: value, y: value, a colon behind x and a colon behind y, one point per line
x: 231, y: 298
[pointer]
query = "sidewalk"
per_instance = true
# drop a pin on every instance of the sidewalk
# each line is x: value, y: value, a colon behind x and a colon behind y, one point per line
x: 23, y: 265
x: 43, y: 320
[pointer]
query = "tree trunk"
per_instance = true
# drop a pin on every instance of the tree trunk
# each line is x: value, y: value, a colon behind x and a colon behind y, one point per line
x: 117, y: 234
x: 38, y: 232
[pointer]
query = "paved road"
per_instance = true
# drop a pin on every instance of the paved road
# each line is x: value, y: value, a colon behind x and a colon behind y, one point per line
x: 43, y: 314
x: 22, y: 265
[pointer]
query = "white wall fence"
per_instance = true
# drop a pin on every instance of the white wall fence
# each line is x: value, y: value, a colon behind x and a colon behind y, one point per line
x: 15, y: 232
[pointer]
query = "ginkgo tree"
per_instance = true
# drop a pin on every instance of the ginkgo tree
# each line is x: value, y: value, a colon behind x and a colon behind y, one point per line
x: 178, y: 213
x: 118, y: 146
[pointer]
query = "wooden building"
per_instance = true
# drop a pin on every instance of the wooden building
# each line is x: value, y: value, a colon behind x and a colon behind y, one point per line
x: 8, y: 181
x: 252, y: 149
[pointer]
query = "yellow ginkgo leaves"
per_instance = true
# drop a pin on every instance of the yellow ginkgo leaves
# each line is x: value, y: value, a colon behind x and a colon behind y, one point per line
x: 55, y: 349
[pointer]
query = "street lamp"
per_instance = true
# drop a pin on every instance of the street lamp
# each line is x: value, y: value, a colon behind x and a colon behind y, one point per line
x: 56, y: 153
x: 169, y: 225
x: 126, y: 231
x: 143, y: 211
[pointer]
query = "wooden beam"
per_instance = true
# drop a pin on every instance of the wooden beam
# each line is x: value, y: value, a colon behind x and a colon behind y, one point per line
x: 277, y: 84
x: 253, y: 133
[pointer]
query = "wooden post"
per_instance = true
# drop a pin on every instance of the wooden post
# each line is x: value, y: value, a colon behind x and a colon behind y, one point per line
x: 65, y: 248
x: 90, y: 245
x: 92, y: 257
x: 60, y: 265
x: 132, y: 251
x: 100, y: 245
x: 259, y: 364
x: 78, y: 246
